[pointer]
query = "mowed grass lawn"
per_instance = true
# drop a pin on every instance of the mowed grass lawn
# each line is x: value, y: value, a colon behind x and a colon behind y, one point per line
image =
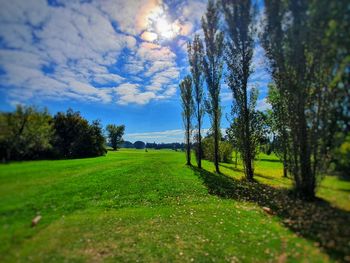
x: 149, y: 207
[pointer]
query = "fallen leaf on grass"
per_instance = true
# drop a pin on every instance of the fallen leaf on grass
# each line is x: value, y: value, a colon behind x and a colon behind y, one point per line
x: 268, y: 210
x: 36, y: 220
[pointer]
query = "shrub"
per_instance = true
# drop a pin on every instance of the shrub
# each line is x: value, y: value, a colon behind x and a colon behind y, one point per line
x: 225, y: 150
x: 342, y: 155
x: 139, y: 145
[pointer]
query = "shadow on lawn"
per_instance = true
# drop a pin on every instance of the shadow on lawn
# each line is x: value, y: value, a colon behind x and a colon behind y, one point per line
x: 269, y: 160
x: 327, y: 226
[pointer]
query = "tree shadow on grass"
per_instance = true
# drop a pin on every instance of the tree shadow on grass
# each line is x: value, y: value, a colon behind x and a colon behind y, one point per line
x: 326, y: 225
x: 269, y: 160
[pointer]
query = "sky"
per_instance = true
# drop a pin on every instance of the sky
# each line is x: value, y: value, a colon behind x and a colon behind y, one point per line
x: 119, y: 61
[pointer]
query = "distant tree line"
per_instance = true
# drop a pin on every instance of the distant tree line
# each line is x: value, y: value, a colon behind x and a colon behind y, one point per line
x: 307, y: 49
x: 28, y: 133
x: 141, y: 145
x: 173, y: 146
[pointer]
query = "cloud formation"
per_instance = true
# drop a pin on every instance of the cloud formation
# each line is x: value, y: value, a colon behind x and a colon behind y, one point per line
x: 109, y: 51
x: 101, y: 51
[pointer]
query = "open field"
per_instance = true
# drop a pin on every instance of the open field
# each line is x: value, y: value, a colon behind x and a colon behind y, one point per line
x: 148, y: 206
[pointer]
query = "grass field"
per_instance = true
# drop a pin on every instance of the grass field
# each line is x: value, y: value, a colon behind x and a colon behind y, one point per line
x: 148, y: 206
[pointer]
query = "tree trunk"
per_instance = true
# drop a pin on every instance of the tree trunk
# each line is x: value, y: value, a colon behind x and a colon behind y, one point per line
x: 236, y: 158
x: 307, y: 177
x: 216, y: 145
x: 188, y: 146
x: 247, y: 145
x: 285, y: 169
x: 199, y: 140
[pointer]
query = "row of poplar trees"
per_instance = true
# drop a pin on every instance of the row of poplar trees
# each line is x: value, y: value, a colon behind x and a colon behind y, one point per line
x: 307, y: 50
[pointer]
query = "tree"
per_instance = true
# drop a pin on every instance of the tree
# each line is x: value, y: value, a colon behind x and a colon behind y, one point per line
x: 139, y: 145
x: 308, y: 53
x: 233, y: 137
x: 277, y: 118
x: 239, y: 17
x: 96, y: 139
x: 25, y: 134
x: 127, y: 144
x: 195, y: 57
x: 213, y: 64
x: 115, y: 135
x: 75, y: 138
x: 187, y: 113
x: 225, y: 149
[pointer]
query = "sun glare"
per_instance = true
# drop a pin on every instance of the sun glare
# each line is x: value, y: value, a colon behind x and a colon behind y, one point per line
x: 164, y: 28
x: 160, y: 25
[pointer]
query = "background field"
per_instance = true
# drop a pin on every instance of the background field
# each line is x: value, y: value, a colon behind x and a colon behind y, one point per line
x: 148, y: 206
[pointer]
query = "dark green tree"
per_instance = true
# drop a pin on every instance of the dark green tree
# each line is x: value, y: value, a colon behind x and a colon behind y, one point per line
x: 309, y: 59
x: 239, y: 18
x: 115, y: 135
x: 25, y: 134
x: 187, y: 113
x: 213, y: 64
x: 195, y: 57
x: 139, y: 145
x: 75, y: 138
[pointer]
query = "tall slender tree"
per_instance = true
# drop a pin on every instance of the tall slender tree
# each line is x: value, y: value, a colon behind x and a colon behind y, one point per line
x: 305, y: 56
x: 239, y: 18
x: 187, y: 113
x: 213, y: 64
x: 195, y: 57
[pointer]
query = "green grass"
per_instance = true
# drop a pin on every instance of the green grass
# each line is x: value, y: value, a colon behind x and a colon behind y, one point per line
x: 148, y: 206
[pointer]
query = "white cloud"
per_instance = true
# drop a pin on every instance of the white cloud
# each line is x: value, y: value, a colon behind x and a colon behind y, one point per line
x: 82, y: 52
x: 167, y: 136
x: 131, y: 93
x: 158, y: 136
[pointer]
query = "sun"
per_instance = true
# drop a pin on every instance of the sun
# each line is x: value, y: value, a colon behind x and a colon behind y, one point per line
x: 159, y: 24
x: 164, y: 29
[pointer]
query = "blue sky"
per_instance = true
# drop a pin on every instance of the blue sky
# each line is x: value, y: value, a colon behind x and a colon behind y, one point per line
x: 117, y: 61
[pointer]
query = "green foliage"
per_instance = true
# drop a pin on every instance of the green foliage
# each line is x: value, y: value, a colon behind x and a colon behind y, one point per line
x: 115, y: 135
x: 308, y: 53
x: 25, y: 134
x: 342, y: 156
x: 74, y: 137
x: 225, y: 150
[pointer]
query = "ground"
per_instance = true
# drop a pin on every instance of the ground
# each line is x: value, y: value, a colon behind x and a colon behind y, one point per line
x: 133, y: 205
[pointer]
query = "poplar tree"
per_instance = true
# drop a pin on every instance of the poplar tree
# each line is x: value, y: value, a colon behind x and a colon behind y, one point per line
x: 239, y: 18
x: 187, y: 113
x: 195, y: 57
x: 213, y: 64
